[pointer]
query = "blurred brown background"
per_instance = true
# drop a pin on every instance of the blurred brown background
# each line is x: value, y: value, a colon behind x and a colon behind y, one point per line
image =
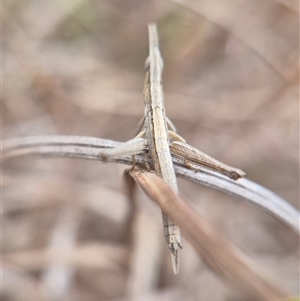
x: 76, y: 67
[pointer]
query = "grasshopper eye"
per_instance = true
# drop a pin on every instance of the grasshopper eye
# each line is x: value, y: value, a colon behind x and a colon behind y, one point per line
x: 233, y: 175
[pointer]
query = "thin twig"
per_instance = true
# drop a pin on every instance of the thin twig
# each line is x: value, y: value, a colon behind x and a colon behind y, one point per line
x: 88, y: 148
x: 223, y: 257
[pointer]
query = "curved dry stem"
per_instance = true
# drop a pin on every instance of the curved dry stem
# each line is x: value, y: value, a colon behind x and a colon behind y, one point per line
x: 88, y: 148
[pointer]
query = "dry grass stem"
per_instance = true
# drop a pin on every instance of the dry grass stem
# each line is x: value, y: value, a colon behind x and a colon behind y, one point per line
x: 224, y: 258
x: 88, y: 148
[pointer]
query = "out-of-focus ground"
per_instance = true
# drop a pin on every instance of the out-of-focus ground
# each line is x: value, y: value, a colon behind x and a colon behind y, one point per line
x: 76, y: 67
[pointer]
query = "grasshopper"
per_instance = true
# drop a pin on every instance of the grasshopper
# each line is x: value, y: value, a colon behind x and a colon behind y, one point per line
x: 157, y: 137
